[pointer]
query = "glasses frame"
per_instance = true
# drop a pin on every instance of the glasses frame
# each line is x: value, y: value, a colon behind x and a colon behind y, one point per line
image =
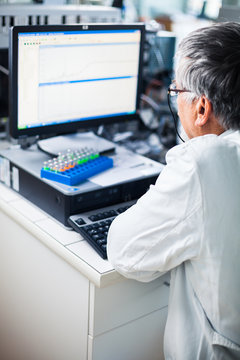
x: 174, y: 92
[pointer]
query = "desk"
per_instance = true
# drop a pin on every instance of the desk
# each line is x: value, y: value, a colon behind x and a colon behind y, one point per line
x: 60, y: 301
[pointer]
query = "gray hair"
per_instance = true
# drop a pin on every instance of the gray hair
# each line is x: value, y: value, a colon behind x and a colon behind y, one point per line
x: 209, y: 64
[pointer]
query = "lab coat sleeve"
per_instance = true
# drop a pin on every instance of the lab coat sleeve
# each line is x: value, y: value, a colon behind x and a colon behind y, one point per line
x: 164, y: 228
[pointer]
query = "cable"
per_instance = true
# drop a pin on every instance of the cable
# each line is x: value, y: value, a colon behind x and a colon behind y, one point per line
x: 174, y: 119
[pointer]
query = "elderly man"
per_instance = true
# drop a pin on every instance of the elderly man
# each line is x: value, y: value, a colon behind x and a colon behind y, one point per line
x: 189, y: 221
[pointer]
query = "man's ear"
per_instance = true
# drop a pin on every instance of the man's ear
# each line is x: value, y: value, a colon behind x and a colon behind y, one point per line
x: 204, y: 110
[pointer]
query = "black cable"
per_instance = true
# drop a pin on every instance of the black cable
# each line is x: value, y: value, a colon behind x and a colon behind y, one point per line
x: 174, y: 118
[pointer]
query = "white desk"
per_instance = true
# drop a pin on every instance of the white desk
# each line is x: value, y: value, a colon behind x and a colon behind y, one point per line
x: 60, y: 301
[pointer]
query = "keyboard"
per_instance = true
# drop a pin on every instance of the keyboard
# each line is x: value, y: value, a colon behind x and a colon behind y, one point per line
x: 94, y: 225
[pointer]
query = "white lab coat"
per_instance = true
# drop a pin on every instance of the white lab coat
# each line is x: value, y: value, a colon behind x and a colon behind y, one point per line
x: 189, y: 223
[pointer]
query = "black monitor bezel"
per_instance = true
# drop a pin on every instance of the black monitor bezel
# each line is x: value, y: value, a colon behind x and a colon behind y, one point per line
x: 72, y: 126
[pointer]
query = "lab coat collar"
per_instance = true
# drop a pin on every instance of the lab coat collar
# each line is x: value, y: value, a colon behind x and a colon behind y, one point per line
x: 228, y: 132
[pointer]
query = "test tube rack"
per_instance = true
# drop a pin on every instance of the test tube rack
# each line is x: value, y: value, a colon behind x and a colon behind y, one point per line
x: 73, y: 167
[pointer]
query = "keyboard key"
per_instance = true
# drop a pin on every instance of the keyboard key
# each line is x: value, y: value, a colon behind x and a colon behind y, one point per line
x: 110, y: 213
x: 102, y: 241
x: 80, y: 221
x: 97, y: 237
x: 104, y: 247
x: 109, y: 221
x: 93, y: 218
x: 122, y: 209
x: 102, y: 215
x: 89, y: 227
x: 103, y: 223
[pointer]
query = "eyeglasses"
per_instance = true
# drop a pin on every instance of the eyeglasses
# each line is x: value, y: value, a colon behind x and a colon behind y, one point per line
x: 173, y: 91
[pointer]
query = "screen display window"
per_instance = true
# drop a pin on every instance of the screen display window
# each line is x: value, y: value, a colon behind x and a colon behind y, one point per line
x: 69, y: 76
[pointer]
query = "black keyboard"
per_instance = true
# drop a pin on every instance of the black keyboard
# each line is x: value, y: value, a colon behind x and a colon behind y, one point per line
x: 93, y: 225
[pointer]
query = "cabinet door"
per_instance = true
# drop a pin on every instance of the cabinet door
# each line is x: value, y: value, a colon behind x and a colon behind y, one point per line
x: 125, y: 301
x: 141, y: 339
x: 43, y: 300
x: 127, y: 320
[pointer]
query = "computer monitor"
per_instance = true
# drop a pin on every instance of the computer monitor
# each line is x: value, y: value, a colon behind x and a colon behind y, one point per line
x: 212, y: 9
x: 194, y: 7
x: 64, y: 78
x: 206, y: 9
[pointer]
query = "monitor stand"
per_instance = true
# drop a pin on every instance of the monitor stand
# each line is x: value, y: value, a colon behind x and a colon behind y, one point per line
x: 77, y: 141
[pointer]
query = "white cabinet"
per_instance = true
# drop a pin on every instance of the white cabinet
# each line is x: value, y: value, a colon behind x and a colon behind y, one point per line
x: 127, y: 320
x: 44, y: 301
x: 63, y: 302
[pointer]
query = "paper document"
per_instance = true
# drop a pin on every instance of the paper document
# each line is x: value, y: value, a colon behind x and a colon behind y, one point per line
x: 127, y: 165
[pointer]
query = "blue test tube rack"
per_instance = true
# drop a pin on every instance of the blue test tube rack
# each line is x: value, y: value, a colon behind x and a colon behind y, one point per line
x: 75, y: 166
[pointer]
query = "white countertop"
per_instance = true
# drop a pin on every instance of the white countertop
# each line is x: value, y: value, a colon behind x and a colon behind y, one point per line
x: 65, y: 243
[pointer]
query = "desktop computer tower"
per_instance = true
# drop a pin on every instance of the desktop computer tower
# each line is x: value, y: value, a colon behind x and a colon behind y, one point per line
x: 20, y: 170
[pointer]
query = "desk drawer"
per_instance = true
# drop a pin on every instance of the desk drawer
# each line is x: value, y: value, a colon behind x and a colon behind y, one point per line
x: 125, y: 301
x: 141, y: 339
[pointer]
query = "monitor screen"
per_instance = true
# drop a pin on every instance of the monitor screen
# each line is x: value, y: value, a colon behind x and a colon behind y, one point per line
x: 64, y: 78
x: 208, y: 9
x: 212, y: 9
x: 194, y: 7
